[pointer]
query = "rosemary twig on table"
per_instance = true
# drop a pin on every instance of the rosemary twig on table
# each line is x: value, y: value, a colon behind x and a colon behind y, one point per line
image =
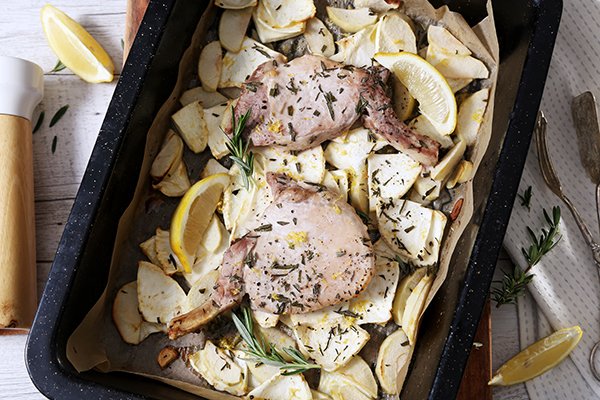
x: 238, y: 149
x: 526, y: 198
x: 264, y: 352
x: 513, y: 284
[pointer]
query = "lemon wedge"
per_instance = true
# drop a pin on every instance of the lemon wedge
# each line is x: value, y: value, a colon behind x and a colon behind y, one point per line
x: 538, y: 358
x: 75, y: 47
x: 193, y: 215
x: 436, y: 99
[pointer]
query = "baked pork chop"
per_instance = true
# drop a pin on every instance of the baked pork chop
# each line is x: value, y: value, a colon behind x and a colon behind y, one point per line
x: 312, y: 99
x: 311, y: 250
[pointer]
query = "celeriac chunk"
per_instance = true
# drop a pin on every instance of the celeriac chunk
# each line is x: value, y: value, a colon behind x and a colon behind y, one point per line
x: 390, y: 175
x: 160, y: 297
x: 219, y: 370
x: 127, y: 318
x: 232, y: 28
x: 351, y: 20
x: 210, y: 65
x: 291, y: 387
x: 470, y: 115
x: 190, y: 124
x: 392, y: 362
x: 318, y: 38
x: 331, y: 346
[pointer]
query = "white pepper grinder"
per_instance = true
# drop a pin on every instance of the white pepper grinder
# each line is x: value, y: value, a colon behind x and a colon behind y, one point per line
x: 21, y: 89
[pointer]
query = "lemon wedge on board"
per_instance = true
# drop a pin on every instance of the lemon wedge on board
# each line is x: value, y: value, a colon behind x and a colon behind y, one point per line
x: 75, y: 47
x: 193, y: 215
x: 538, y: 358
x: 436, y: 99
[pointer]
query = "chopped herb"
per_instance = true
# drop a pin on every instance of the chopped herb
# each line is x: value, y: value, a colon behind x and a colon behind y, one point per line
x: 526, y: 198
x: 261, y: 51
x: 58, y: 67
x: 39, y: 122
x: 292, y: 131
x: 290, y: 110
x: 274, y: 91
x: 330, y: 99
x: 264, y: 228
x: 58, y: 115
x: 54, y: 142
x: 240, y: 155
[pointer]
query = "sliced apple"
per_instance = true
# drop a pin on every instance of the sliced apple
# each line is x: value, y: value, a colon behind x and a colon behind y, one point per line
x: 359, y: 188
x: 461, y: 174
x: 170, y: 153
x: 198, y: 94
x: 451, y: 57
x: 268, y: 34
x: 210, y: 65
x: 291, y: 387
x: 340, y: 387
x: 357, y: 49
x: 331, y: 346
x: 394, y: 34
x: 421, y: 125
x: 237, y: 67
x: 392, y: 362
x: 219, y: 370
x: 446, y: 42
x: 191, y: 125
x: 176, y: 182
x: 149, y: 249
x: 316, y: 395
x: 447, y: 164
x: 458, y: 84
x: 351, y: 20
x: 283, y: 13
x: 232, y: 28
x: 405, y: 288
x: 213, y: 167
x: 160, y: 297
x: 127, y: 318
x: 470, y: 115
x: 414, y: 307
x: 202, y: 290
x: 235, y: 4
x: 318, y: 38
x: 377, y: 5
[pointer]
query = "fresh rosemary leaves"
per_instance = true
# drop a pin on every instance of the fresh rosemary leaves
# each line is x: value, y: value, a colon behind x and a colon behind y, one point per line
x: 264, y: 352
x: 526, y: 198
x: 513, y: 284
x: 238, y: 149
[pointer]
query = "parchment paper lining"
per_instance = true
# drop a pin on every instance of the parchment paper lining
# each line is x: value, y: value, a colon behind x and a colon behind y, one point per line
x: 96, y: 342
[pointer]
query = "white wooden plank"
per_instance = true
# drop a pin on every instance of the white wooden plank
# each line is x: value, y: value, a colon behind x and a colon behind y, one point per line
x: 58, y: 175
x: 14, y: 380
x: 21, y: 33
x: 50, y: 219
x: 505, y: 337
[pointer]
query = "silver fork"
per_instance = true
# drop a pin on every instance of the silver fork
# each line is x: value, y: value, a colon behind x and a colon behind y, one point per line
x: 554, y: 184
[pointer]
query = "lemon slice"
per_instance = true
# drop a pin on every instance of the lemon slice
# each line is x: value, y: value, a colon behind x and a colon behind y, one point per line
x: 538, y: 358
x: 426, y: 85
x: 193, y: 215
x: 75, y: 47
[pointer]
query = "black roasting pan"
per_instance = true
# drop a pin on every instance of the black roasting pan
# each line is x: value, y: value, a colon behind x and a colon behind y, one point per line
x: 526, y: 30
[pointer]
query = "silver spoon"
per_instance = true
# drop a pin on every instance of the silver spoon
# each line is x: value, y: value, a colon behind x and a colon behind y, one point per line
x: 585, y: 117
x: 553, y: 183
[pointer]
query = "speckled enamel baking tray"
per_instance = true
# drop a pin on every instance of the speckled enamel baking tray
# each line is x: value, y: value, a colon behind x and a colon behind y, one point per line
x: 526, y: 32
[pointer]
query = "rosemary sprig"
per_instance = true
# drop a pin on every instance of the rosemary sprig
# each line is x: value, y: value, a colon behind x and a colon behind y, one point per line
x: 513, y: 285
x: 526, y: 198
x: 238, y: 149
x: 264, y: 352
x: 58, y: 67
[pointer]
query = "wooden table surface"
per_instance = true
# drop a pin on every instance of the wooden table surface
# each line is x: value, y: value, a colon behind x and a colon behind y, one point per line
x: 58, y: 174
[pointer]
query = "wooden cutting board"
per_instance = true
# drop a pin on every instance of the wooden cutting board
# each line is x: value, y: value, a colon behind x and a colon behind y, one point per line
x: 479, y: 368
